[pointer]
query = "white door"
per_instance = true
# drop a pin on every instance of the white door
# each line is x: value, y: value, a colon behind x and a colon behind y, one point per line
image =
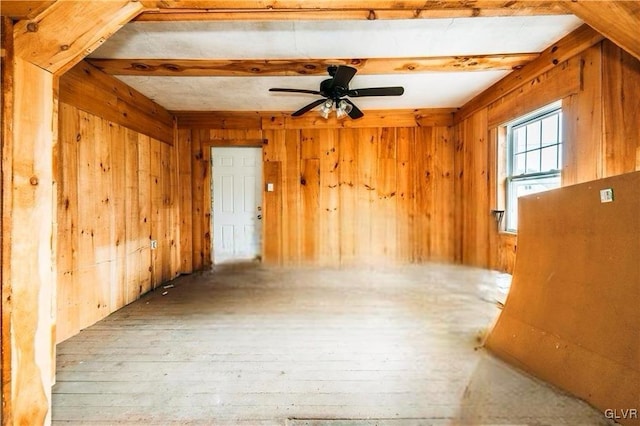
x: 237, y: 203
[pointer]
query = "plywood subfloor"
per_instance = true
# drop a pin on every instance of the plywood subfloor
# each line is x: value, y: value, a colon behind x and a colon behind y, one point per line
x: 251, y: 345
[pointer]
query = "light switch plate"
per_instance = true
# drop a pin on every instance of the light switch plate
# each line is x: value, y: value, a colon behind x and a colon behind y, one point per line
x: 269, y: 187
x: 606, y: 195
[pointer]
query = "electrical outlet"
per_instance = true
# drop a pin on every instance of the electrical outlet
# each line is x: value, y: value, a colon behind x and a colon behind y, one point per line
x: 154, y: 244
x: 606, y: 195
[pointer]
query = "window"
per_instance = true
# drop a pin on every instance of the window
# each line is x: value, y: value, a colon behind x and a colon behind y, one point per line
x: 534, y: 157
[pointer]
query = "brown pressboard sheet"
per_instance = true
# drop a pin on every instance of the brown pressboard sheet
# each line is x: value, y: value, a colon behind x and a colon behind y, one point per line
x: 572, y: 316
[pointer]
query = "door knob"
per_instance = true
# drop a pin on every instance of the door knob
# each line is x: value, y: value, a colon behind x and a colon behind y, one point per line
x: 259, y: 216
x: 259, y: 208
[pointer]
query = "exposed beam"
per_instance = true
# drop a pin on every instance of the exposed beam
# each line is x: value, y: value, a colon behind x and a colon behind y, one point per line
x: 418, y: 5
x: 24, y: 9
x: 270, y: 67
x: 341, y: 14
x: 569, y: 46
x: 67, y: 31
x: 619, y: 21
x: 281, y: 120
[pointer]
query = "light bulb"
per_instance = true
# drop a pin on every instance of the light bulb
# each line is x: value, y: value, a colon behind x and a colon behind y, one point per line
x: 325, y: 109
x: 344, y: 108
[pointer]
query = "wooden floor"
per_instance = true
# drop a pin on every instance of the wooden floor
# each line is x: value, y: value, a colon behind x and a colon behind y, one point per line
x: 250, y: 345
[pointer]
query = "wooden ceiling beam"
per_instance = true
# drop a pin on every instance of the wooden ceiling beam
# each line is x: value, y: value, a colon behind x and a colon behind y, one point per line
x: 283, y: 67
x: 24, y: 9
x: 281, y: 120
x: 67, y: 31
x: 546, y: 6
x: 336, y: 14
x: 559, y: 52
x: 619, y: 21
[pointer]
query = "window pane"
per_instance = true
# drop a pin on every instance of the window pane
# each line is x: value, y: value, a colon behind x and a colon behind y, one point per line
x: 533, y: 136
x: 550, y: 158
x: 518, y: 164
x: 535, y: 157
x: 520, y: 140
x: 550, y: 130
x: 533, y: 161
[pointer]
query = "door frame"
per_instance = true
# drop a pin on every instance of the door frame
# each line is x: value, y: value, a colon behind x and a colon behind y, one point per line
x: 208, y: 182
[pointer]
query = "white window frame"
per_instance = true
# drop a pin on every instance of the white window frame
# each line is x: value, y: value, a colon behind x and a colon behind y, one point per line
x: 536, y: 181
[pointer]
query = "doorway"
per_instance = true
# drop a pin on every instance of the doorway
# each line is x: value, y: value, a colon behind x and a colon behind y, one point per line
x: 236, y: 197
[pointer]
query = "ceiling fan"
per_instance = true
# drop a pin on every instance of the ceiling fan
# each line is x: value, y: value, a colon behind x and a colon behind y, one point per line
x: 335, y: 92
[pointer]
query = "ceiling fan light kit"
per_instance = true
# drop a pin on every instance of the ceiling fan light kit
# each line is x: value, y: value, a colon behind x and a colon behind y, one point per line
x: 335, y: 92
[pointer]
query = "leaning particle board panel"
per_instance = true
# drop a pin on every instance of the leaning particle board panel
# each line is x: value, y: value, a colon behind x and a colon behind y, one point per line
x: 572, y: 316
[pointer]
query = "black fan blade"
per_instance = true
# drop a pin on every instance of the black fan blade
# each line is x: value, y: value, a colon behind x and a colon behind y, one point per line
x: 311, y: 92
x: 376, y: 91
x: 343, y: 76
x: 355, y: 111
x: 309, y: 107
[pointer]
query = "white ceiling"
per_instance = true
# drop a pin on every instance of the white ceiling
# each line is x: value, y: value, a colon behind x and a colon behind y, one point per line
x: 326, y: 40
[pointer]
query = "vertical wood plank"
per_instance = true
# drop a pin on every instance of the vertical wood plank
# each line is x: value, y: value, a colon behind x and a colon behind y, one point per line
x: 134, y: 241
x: 272, y: 217
x: 459, y: 187
x: 383, y: 233
x: 620, y: 94
x: 157, y: 223
x: 291, y: 208
x: 348, y: 169
x: 405, y: 195
x: 442, y: 210
x: 310, y: 188
x: 582, y: 133
x: 424, y: 181
x: 183, y: 144
x: 144, y: 211
x: 207, y: 238
x: 197, y: 186
x: 117, y: 201
x: 30, y: 241
x: 67, y: 294
x: 6, y: 171
x: 367, y: 145
x: 329, y: 199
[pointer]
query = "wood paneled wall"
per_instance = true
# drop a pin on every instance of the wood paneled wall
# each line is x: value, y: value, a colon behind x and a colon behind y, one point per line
x: 599, y: 89
x: 117, y: 175
x: 343, y: 196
